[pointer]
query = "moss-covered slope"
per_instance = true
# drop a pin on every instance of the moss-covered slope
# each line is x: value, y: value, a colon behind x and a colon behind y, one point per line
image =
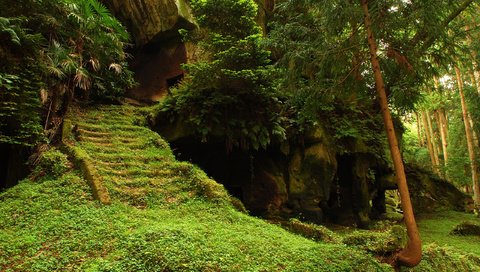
x: 165, y: 215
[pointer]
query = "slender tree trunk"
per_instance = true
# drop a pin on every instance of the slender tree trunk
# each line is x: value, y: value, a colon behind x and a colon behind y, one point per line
x: 434, y: 143
x: 412, y: 254
x: 419, y: 131
x: 469, y: 136
x: 473, y: 79
x: 429, y: 141
x: 443, y: 136
x: 442, y: 126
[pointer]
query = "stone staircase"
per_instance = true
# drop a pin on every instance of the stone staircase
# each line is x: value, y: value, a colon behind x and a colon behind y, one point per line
x: 134, y: 164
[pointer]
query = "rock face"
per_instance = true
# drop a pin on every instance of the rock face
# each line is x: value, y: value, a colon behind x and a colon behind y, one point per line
x: 152, y: 20
x: 308, y: 180
x: 158, y: 68
x: 430, y: 193
x: 311, y: 174
x: 159, y: 50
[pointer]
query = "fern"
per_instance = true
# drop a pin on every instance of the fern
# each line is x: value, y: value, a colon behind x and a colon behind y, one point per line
x: 11, y: 30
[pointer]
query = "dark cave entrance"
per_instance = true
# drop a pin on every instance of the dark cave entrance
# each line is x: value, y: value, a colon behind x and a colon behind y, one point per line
x: 13, y: 165
x: 174, y: 81
x: 232, y: 169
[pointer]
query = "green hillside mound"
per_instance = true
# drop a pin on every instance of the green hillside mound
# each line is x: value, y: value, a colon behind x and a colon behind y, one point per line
x: 164, y: 215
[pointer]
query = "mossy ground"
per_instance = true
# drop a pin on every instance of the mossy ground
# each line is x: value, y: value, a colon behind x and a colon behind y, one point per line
x: 436, y: 228
x: 165, y: 216
x: 54, y: 224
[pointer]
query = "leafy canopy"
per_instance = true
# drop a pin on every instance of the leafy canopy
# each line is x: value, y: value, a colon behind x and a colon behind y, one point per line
x: 229, y: 94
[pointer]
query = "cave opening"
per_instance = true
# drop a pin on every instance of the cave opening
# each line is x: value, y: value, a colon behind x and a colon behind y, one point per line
x: 13, y: 167
x: 174, y: 81
x: 232, y: 169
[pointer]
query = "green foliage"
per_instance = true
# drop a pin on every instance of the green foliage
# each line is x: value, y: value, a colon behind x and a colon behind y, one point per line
x: 19, y: 108
x: 53, y: 163
x: 52, y: 49
x: 229, y: 95
x: 90, y: 54
x: 458, y: 168
x: 412, y: 151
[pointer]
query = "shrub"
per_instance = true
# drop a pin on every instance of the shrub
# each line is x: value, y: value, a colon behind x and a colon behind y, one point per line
x: 53, y: 163
x: 229, y: 95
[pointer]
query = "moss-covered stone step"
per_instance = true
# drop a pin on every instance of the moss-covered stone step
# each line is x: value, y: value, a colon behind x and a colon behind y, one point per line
x: 90, y: 133
x: 113, y: 128
x: 120, y: 165
x: 134, y: 172
x: 112, y: 157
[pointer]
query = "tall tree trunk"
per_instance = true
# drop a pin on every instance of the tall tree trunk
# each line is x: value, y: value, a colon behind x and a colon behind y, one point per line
x: 443, y: 136
x: 429, y: 139
x: 442, y: 126
x: 412, y: 254
x: 469, y: 136
x: 419, y: 131
x: 434, y: 143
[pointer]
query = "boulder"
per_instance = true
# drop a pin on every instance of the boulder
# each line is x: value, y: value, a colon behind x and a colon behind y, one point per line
x: 430, y: 193
x: 467, y: 228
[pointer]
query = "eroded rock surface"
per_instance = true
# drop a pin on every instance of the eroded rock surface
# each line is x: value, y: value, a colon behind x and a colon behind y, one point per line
x: 152, y: 20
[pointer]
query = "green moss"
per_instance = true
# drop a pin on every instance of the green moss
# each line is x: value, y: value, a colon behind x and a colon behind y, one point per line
x: 53, y: 163
x: 315, y: 232
x: 380, y: 243
x: 446, y: 259
x: 436, y: 228
x: 186, y: 221
x: 54, y: 224
x: 467, y: 228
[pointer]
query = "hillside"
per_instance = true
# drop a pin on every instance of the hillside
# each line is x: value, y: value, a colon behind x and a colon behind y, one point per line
x: 158, y: 220
x: 164, y: 215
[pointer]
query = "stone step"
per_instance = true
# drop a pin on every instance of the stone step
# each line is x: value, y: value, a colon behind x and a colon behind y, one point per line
x: 138, y: 182
x: 111, y: 128
x: 150, y: 173
x: 90, y: 133
x: 116, y: 165
x: 115, y: 144
x: 110, y: 148
x: 112, y: 157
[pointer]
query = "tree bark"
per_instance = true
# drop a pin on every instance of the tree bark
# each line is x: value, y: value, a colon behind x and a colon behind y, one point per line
x: 434, y: 143
x: 442, y: 126
x: 412, y: 254
x: 469, y: 136
x: 419, y: 131
x: 429, y: 140
x: 443, y: 136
